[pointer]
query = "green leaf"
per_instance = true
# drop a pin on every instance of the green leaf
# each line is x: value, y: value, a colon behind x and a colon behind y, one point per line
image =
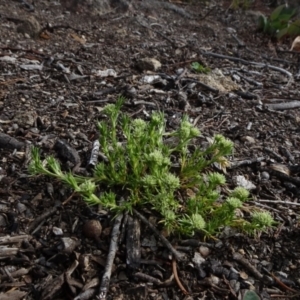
x: 287, y: 14
x: 269, y: 29
x: 251, y: 295
x: 282, y: 12
x: 276, y: 12
x: 199, y: 68
x: 262, y: 23
x: 280, y: 34
x: 294, y: 28
x: 278, y: 25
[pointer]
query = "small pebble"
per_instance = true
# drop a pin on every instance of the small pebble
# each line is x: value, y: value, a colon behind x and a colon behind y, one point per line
x: 204, y: 251
x: 241, y: 251
x: 92, y: 229
x: 57, y: 230
x: 265, y: 175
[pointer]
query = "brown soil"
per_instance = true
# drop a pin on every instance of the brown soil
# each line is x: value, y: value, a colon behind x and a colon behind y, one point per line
x: 51, y: 55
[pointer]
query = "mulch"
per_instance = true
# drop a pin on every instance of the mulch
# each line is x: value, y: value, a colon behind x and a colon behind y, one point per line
x: 60, y: 64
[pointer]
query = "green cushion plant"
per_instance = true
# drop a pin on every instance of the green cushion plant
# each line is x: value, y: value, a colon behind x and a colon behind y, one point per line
x: 148, y: 171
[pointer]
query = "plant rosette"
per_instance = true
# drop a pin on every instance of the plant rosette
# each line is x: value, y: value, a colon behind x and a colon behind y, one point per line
x: 140, y: 169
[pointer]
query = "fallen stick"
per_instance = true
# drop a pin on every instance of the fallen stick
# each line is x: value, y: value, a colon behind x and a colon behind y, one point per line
x: 133, y: 242
x: 247, y: 264
x: 10, y: 143
x: 113, y: 247
x: 246, y: 62
x: 42, y: 218
x: 246, y: 162
x: 176, y: 254
x: 279, y: 202
x: 174, y: 268
x: 283, y: 105
x: 4, y: 240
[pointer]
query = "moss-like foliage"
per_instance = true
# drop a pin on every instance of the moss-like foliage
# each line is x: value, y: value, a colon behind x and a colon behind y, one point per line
x: 139, y: 168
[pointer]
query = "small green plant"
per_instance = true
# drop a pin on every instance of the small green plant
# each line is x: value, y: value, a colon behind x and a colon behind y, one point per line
x: 251, y: 295
x: 139, y: 168
x: 280, y: 23
x: 199, y: 68
x: 244, y: 4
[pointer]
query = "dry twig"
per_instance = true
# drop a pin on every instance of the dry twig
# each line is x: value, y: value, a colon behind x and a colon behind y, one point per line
x: 176, y: 254
x: 244, y: 262
x: 280, y: 202
x: 174, y: 268
x: 113, y: 247
x: 246, y: 62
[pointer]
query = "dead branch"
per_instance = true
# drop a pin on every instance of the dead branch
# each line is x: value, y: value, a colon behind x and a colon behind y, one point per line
x: 4, y: 240
x: 177, y: 255
x: 280, y: 202
x: 283, y: 105
x: 147, y: 278
x: 174, y: 268
x: 41, y: 218
x: 133, y: 243
x: 113, y: 247
x: 246, y: 62
x: 8, y: 252
x: 245, y: 262
x: 10, y: 143
x: 246, y: 162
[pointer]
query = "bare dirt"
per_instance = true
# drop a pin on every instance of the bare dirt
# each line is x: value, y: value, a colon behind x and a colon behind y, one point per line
x: 61, y: 62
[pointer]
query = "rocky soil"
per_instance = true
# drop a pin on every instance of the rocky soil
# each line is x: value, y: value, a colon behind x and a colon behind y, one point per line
x: 60, y: 63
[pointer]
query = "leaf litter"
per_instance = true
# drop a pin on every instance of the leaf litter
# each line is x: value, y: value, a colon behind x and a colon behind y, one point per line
x: 90, y: 56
